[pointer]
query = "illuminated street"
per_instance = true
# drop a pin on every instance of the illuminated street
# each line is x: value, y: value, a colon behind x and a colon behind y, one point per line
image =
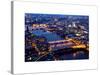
x: 52, y: 37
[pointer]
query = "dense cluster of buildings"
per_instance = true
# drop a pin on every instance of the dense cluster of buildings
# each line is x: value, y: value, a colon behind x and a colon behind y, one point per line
x: 49, y: 33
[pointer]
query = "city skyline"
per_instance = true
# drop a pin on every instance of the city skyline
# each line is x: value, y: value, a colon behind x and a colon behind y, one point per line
x: 51, y: 37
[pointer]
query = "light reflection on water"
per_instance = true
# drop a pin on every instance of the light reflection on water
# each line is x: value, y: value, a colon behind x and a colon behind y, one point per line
x: 79, y: 55
x: 50, y: 36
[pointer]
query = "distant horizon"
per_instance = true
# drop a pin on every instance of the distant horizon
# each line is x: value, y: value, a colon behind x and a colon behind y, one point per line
x: 82, y: 18
x: 56, y: 14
